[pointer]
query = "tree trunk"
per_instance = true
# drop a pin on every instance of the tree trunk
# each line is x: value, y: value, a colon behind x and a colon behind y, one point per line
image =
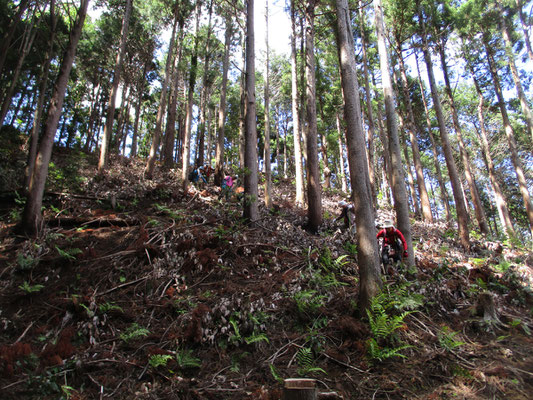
x: 398, y: 183
x: 342, y: 172
x: 250, y: 208
x: 478, y: 207
x: 150, y: 164
x: 443, y: 191
x: 314, y: 192
x: 412, y: 128
x: 499, y: 198
x: 462, y: 214
x: 525, y: 29
x: 299, y: 389
x: 167, y: 150
x: 219, y: 156
x: 509, y: 132
x: 32, y: 215
x: 37, y: 120
x: 206, y: 87
x: 9, y: 33
x: 367, y: 249
x: 108, y: 129
x: 27, y: 41
x: 299, y: 199
x: 140, y: 86
x: 524, y: 105
x: 370, y: 112
x: 266, y: 157
x: 188, y: 124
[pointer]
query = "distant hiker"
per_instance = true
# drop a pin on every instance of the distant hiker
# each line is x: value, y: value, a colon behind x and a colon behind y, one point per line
x: 347, y: 213
x: 206, y: 171
x: 394, y: 244
x: 195, y: 175
x: 227, y: 186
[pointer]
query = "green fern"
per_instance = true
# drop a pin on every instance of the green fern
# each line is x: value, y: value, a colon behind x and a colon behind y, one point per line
x: 447, y: 339
x: 305, y: 361
x: 256, y: 338
x: 159, y: 360
x: 383, y: 326
x: 186, y: 360
x: 376, y: 352
x: 134, y: 332
x: 275, y: 374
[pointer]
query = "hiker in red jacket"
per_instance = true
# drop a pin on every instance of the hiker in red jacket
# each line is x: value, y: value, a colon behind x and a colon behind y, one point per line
x: 394, y: 243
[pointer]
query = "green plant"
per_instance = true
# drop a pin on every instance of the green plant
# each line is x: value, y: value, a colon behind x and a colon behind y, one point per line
x: 275, y: 374
x: 308, y: 302
x: 350, y: 248
x: 305, y: 360
x: 26, y: 263
x: 186, y: 360
x: 69, y: 254
x: 447, y: 339
x: 172, y: 214
x: 159, y: 360
x: 29, y: 289
x: 515, y: 323
x: 106, y: 307
x: 384, y: 342
x: 134, y: 332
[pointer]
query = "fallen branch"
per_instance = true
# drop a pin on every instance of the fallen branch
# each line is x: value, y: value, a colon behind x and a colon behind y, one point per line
x: 123, y: 285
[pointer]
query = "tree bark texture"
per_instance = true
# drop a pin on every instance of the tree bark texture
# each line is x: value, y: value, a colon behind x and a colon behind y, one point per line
x: 108, y: 128
x: 32, y: 216
x: 314, y: 190
x: 398, y: 183
x: 367, y: 249
x: 250, y: 211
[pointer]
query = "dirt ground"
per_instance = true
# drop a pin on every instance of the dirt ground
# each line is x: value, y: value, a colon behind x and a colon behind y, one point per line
x: 138, y: 290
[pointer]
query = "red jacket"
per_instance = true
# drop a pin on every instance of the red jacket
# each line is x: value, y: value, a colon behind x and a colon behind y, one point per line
x: 390, y: 238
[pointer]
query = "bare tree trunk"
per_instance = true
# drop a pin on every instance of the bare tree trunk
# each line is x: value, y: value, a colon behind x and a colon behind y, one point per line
x: 250, y: 208
x: 367, y: 249
x: 524, y: 105
x: 370, y: 112
x: 499, y: 198
x: 462, y: 214
x: 509, y: 132
x: 420, y: 180
x: 342, y: 172
x: 204, y: 96
x: 167, y: 150
x: 32, y: 215
x: 398, y: 184
x: 242, y: 116
x: 443, y: 191
x: 525, y: 29
x: 219, y: 156
x: 34, y: 139
x: 314, y: 192
x: 266, y: 157
x: 299, y: 200
x: 140, y: 86
x: 150, y: 164
x: 108, y: 129
x: 9, y: 33
x: 27, y: 42
x: 478, y: 207
x: 190, y: 101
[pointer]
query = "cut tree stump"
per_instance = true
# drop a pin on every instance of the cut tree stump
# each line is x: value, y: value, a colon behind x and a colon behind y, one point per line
x: 299, y: 389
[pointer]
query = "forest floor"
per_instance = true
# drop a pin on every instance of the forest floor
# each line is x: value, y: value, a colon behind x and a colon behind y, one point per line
x: 137, y: 290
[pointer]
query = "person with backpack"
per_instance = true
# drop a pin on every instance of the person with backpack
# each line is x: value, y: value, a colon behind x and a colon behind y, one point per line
x: 394, y: 243
x: 346, y: 210
x: 227, y: 186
